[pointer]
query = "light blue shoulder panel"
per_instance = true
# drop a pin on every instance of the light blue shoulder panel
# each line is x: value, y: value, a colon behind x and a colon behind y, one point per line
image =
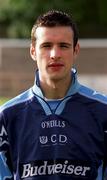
x: 18, y: 99
x: 92, y: 94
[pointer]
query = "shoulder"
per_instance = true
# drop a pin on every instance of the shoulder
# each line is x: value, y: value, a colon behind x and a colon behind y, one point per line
x: 92, y: 94
x: 21, y: 98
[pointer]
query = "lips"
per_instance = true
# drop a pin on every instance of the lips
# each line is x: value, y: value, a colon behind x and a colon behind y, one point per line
x: 55, y: 66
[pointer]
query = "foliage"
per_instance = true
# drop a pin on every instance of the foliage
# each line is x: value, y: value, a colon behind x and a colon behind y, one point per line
x: 3, y: 100
x: 18, y: 16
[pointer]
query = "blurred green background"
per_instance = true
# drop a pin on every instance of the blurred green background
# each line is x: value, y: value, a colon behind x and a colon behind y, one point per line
x: 18, y: 16
x: 3, y: 100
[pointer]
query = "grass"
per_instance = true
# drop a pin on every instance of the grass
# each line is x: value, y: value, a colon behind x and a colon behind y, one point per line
x: 3, y: 100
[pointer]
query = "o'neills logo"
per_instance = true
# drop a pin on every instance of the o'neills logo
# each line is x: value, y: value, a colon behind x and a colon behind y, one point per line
x: 42, y: 168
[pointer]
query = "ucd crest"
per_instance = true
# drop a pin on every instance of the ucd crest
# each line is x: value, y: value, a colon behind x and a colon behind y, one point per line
x: 43, y: 139
x: 4, y: 170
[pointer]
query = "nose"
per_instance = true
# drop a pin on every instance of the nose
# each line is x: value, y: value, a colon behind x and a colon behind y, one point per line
x: 55, y: 53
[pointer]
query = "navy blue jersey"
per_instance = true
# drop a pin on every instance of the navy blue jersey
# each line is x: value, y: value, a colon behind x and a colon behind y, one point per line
x: 64, y: 139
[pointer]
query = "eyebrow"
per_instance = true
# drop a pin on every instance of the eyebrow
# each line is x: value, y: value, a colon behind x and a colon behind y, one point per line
x: 65, y: 43
x: 59, y: 43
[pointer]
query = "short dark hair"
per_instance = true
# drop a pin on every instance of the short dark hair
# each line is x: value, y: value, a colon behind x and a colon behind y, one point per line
x: 55, y: 18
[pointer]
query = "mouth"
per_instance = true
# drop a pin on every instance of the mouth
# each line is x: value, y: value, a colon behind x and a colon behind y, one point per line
x: 55, y: 66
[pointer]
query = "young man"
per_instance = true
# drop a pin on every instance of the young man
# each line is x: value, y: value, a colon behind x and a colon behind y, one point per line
x: 56, y: 130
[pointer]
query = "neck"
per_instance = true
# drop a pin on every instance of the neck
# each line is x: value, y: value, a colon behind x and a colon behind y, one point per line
x: 55, y: 89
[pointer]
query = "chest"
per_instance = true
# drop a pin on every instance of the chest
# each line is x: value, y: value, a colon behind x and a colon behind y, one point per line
x: 75, y: 132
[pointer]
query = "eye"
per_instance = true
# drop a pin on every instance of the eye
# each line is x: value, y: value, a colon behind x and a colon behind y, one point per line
x: 65, y: 45
x: 46, y: 45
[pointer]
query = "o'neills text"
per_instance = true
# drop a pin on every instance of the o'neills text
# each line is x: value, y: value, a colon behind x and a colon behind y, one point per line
x: 47, y: 168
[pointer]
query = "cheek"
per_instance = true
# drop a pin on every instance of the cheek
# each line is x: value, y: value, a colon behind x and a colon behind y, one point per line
x: 69, y: 60
x: 41, y: 54
x: 41, y: 60
x: 70, y: 57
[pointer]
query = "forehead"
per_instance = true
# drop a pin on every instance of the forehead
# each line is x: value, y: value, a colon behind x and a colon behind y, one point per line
x: 59, y: 33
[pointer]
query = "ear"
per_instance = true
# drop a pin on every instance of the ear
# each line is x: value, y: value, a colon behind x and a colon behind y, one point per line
x: 32, y: 52
x: 76, y: 50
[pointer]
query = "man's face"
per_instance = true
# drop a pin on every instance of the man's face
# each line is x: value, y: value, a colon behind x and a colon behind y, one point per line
x: 54, y: 52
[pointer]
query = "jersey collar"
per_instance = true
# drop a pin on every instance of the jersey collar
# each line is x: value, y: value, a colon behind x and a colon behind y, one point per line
x: 72, y: 90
